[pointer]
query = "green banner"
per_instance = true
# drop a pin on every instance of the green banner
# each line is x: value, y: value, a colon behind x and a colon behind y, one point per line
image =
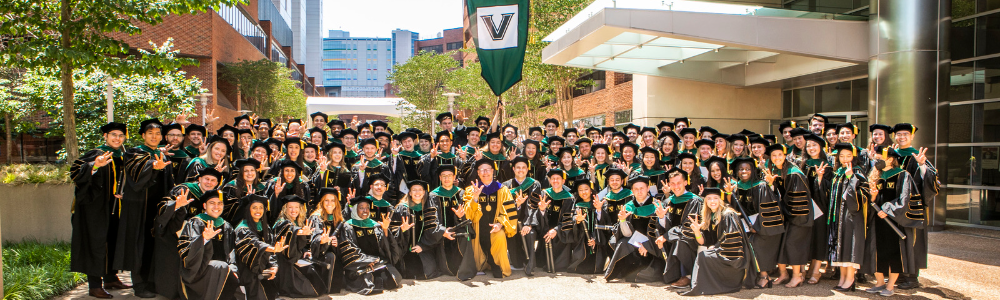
x: 500, y: 30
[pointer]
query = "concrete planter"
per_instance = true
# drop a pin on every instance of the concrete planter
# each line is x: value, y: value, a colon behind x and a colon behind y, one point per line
x: 40, y: 212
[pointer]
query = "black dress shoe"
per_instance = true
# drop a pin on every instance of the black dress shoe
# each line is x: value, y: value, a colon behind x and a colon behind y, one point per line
x: 116, y: 286
x: 909, y: 285
x: 100, y: 293
x: 145, y: 294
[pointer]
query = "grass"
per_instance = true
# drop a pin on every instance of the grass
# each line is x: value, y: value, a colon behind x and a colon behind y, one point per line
x: 18, y: 174
x: 36, y: 271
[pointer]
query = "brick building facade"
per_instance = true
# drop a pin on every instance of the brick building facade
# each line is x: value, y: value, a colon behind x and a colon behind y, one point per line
x: 450, y: 40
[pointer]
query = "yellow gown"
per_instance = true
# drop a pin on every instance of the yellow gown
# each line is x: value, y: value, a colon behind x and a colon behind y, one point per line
x: 498, y: 240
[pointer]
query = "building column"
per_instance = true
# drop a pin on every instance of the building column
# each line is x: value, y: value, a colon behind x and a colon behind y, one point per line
x: 908, y: 77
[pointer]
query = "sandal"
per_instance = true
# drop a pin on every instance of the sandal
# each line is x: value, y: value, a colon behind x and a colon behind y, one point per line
x: 814, y: 279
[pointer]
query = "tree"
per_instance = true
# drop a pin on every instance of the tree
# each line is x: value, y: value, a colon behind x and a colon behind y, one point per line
x: 266, y: 87
x: 420, y: 81
x: 77, y: 34
x: 546, y: 16
x: 13, y: 106
x: 136, y: 98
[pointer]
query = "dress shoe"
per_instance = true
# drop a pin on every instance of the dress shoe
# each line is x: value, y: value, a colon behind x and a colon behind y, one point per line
x: 100, y: 293
x: 116, y: 286
x: 683, y: 282
x: 145, y: 294
x: 909, y: 285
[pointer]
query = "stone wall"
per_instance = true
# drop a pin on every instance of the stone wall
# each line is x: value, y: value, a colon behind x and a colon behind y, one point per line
x: 40, y: 212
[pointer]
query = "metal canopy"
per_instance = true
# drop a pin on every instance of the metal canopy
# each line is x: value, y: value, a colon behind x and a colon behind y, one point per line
x: 733, y: 49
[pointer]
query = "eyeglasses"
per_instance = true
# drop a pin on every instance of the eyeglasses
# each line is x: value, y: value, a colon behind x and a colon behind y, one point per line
x: 175, y: 135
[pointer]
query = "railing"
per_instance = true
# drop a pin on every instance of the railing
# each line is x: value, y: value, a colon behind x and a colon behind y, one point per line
x: 278, y: 56
x: 296, y: 75
x: 279, y: 28
x: 308, y: 88
x: 243, y: 24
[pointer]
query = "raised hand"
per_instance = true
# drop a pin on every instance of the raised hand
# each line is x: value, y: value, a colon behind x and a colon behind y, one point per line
x: 525, y: 230
x: 579, y: 216
x: 434, y: 152
x: 477, y: 189
x: 820, y: 170
x: 768, y: 176
x: 543, y: 203
x: 221, y: 166
x: 350, y: 195
x: 459, y: 212
x: 407, y: 224
x: 598, y: 203
x: 850, y: 169
x: 103, y: 159
x: 279, y: 186
x: 325, y: 237
x: 159, y: 161
x: 182, y: 199
x: 921, y: 156
x: 306, y: 230
x: 695, y: 225
x: 623, y: 215
x: 396, y: 149
x: 479, y: 154
x: 202, y: 148
x: 182, y: 119
x: 730, y: 187
x: 273, y: 271
x: 210, y: 116
x: 210, y: 231
x: 278, y: 247
x: 385, y: 221
x: 661, y: 210
x: 511, y: 154
x: 520, y: 198
x: 463, y: 155
x: 701, y: 189
x: 448, y: 234
x: 323, y: 163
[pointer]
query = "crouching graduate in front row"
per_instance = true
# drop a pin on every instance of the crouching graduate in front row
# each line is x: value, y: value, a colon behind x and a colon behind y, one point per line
x: 206, y: 246
x: 297, y: 277
x: 422, y: 242
x: 588, y: 244
x: 720, y: 268
x: 254, y: 250
x: 367, y: 252
x: 635, y: 235
x: 327, y: 220
x: 490, y: 207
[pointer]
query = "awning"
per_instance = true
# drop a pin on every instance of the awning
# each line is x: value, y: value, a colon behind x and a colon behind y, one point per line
x: 710, y: 42
x: 345, y: 105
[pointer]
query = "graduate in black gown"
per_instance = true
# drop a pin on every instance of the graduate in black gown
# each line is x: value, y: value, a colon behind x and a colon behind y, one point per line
x: 334, y: 172
x: 680, y: 204
x: 173, y: 139
x: 554, y: 208
x: 98, y: 176
x: 297, y: 278
x: 847, y: 216
x: 588, y: 244
x: 819, y: 174
x: 722, y: 266
x: 216, y: 156
x: 245, y: 183
x: 148, y: 178
x: 173, y: 211
x: 759, y: 207
x: 417, y: 220
x: 327, y: 219
x: 451, y: 205
x: 369, y: 167
x: 787, y: 180
x: 925, y: 176
x: 442, y: 154
x: 293, y: 153
x: 288, y: 182
x: 526, y: 192
x: 255, y: 248
x: 568, y: 163
x: 636, y: 255
x: 498, y: 159
x: 367, y: 252
x: 207, y: 249
x: 892, y: 190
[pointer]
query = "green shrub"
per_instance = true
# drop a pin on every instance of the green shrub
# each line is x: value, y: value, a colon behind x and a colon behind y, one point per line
x: 33, y: 270
x: 18, y: 174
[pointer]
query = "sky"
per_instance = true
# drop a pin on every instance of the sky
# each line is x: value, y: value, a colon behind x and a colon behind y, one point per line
x: 378, y: 18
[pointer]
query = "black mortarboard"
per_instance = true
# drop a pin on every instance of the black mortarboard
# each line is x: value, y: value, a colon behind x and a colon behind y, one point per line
x: 607, y: 129
x: 786, y: 124
x: 678, y: 121
x: 555, y: 171
x: 289, y: 164
x: 115, y: 126
x: 652, y: 150
x: 845, y: 146
x: 240, y: 163
x: 567, y: 131
x: 225, y: 128
x: 210, y: 171
x: 904, y: 127
x: 532, y: 130
x: 318, y: 130
x: 402, y: 136
x: 319, y: 113
x: 348, y: 131
x: 446, y: 168
x: 616, y: 171
x: 332, y: 145
x: 380, y: 123
x: 444, y: 115
x: 236, y: 120
x: 368, y: 141
x: 520, y: 159
x: 584, y: 140
x: 800, y: 131
x: 708, y: 129
x: 592, y: 129
x: 704, y: 142
x: 665, y: 124
x: 556, y: 139
x: 673, y: 135
x: 442, y: 133
x: 690, y: 131
x: 770, y: 149
x: 551, y: 120
x: 510, y: 126
x: 195, y: 127
x: 168, y: 128
x: 630, y: 126
x: 482, y: 118
x: 145, y: 125
x: 628, y: 144
x: 712, y: 191
x: 883, y: 127
x: 649, y: 129
x: 817, y: 139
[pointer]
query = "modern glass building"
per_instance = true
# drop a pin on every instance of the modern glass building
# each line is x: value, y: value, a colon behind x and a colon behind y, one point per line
x: 360, y: 66
x: 755, y: 63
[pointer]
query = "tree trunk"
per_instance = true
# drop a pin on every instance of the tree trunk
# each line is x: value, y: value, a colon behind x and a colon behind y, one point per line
x: 66, y: 70
x: 10, y: 143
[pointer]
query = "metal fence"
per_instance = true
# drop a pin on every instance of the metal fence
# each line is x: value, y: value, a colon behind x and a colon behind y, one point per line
x: 279, y: 27
x: 243, y: 24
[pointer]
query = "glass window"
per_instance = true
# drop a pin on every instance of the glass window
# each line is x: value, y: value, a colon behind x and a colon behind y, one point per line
x: 958, y: 165
x: 957, y: 205
x: 987, y: 125
x: 988, y: 166
x: 859, y: 94
x: 962, y: 79
x: 962, y: 8
x: 987, y: 34
x: 987, y: 78
x: 624, y: 116
x: 803, y: 101
x: 984, y: 5
x: 989, y: 210
x: 834, y: 97
x: 786, y: 104
x: 963, y: 39
x: 960, y: 127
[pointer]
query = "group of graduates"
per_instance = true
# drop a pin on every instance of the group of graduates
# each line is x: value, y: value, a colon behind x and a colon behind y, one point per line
x: 260, y: 210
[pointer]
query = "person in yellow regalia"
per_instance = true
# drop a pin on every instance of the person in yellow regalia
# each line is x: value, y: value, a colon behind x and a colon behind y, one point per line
x: 491, y: 209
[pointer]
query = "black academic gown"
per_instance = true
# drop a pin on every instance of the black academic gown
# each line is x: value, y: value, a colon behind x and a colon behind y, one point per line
x: 234, y: 212
x: 179, y: 161
x: 721, y: 269
x: 96, y: 214
x: 325, y: 258
x: 759, y: 206
x: 294, y: 280
x: 586, y: 259
x: 522, y: 247
x: 797, y: 204
x: 927, y: 188
x: 209, y: 269
x: 363, y: 175
x: 253, y: 259
x: 144, y: 188
x: 626, y: 262
x: 557, y: 216
x: 426, y: 232
x: 333, y: 177
x: 886, y: 249
x: 819, y: 189
x: 297, y: 187
x: 368, y: 257
x: 428, y: 166
x: 450, y: 256
x: 168, y: 222
x: 195, y: 165
x: 684, y: 246
x: 847, y: 216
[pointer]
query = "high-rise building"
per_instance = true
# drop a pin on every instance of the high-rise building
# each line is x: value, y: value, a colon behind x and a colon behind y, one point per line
x: 360, y: 66
x: 446, y: 41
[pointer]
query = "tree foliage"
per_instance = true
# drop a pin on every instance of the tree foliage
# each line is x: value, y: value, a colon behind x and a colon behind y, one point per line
x: 163, y: 95
x: 266, y: 87
x: 71, y: 34
x: 527, y: 102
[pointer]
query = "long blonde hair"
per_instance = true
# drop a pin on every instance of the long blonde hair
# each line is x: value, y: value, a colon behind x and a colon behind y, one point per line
x: 299, y: 221
x: 207, y: 156
x: 338, y: 217
x: 706, y: 213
